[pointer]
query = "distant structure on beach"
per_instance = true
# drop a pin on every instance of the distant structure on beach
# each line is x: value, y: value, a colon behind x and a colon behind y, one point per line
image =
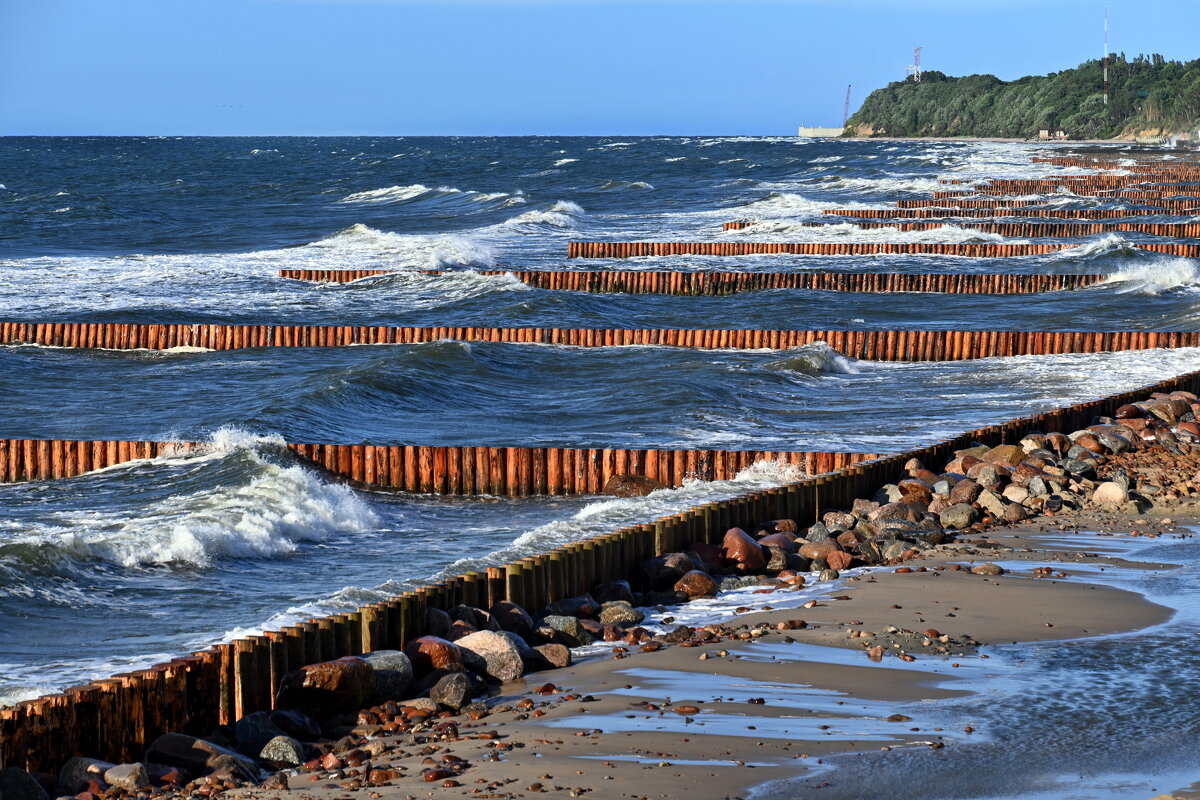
x: 819, y: 133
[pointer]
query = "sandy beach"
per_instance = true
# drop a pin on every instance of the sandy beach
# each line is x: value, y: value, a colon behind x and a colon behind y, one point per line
x: 747, y: 717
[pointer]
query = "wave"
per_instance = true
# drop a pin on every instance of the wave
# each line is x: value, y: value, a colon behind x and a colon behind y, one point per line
x: 403, y: 194
x: 1156, y: 278
x: 562, y: 162
x: 943, y: 234
x: 238, y: 496
x: 423, y: 251
x: 676, y: 158
x: 1105, y: 245
x: 562, y: 214
x: 617, y: 186
x: 780, y: 204
x: 885, y: 185
x: 824, y: 160
x: 814, y: 360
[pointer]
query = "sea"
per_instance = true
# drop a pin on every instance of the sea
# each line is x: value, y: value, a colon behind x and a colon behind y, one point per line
x: 131, y: 565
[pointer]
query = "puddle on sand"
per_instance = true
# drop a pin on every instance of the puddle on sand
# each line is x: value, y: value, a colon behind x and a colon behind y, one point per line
x: 1094, y: 719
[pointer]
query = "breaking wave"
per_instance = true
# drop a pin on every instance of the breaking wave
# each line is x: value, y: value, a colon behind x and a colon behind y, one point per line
x: 1156, y: 278
x: 814, y: 359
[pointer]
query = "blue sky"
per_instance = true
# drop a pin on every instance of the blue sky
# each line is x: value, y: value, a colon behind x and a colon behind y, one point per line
x: 412, y: 67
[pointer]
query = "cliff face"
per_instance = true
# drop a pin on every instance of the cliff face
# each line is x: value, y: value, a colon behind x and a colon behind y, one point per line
x: 1147, y: 95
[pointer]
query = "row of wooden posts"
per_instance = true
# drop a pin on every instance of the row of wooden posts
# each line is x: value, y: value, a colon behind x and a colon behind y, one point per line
x: 1189, y: 204
x: 723, y: 283
x: 639, y: 249
x: 429, y: 469
x: 1069, y: 182
x: 1057, y: 230
x: 1113, y: 193
x: 1057, y: 213
x: 885, y: 345
x: 115, y: 719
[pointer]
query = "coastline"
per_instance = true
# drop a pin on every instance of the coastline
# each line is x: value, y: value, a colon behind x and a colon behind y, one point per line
x: 823, y: 696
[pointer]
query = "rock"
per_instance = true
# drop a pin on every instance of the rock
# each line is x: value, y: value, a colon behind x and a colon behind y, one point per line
x: 710, y: 557
x: 776, y: 526
x: 863, y: 507
x: 492, y: 654
x: 662, y: 571
x: 988, y: 569
x: 829, y: 575
x: 784, y: 541
x: 437, y: 623
x: 1114, y: 442
x: 194, y: 754
x: 697, y: 584
x: 841, y: 520
x: 819, y: 550
x: 742, y: 551
x: 453, y: 691
x: 297, y: 725
x: 132, y: 778
x: 393, y: 673
x: 992, y: 503
x: 328, y: 688
x: 283, y: 750
x: 987, y: 475
x: 584, y: 607
x: 253, y: 731
x: 891, y: 548
x: 17, y: 784
x: 512, y: 618
x: 555, y: 655
x: 614, y: 591
x: 838, y: 560
x: 1110, y: 493
x: 958, y: 516
x: 1015, y: 513
x: 889, y: 511
x: 1130, y: 412
x: 277, y: 783
x: 1015, y: 494
x: 1008, y: 455
x: 620, y: 612
x: 429, y: 653
x: 966, y: 491
x: 421, y: 704
x: 888, y: 493
x: 77, y: 771
x: 626, y: 485
x: 777, y: 559
x: 568, y: 631
x: 816, y: 533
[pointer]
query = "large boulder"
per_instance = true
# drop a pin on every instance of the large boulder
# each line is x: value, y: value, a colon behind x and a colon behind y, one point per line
x: 614, y: 591
x: 196, y: 755
x: 452, y: 691
x: 958, y: 516
x: 393, y: 673
x: 819, y: 551
x: 429, y: 653
x: 512, y: 618
x: 584, y: 606
x: 1110, y: 493
x: 255, y: 730
x: 492, y: 654
x: 620, y: 612
x: 283, y: 750
x: 697, y: 584
x: 17, y: 784
x: 133, y: 778
x: 742, y: 551
x: 568, y: 630
x: 331, y: 687
x: 76, y: 772
x: 662, y: 571
x: 632, y: 486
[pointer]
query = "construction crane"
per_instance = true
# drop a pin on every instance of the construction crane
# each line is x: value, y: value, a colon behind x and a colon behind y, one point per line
x: 846, y: 108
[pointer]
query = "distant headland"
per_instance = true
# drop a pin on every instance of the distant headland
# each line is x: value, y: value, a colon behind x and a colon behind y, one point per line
x: 1149, y: 97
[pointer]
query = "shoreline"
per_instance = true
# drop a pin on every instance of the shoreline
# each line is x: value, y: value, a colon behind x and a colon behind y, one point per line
x: 812, y: 681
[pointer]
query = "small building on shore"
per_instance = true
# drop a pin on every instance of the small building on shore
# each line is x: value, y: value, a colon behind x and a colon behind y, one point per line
x: 819, y: 133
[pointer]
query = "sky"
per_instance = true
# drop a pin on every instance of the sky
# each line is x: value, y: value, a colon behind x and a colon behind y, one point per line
x: 515, y: 67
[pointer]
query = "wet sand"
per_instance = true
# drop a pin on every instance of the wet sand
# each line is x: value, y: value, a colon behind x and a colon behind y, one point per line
x: 687, y: 721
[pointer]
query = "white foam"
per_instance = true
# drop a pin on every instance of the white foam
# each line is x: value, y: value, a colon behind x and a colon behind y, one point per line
x: 1110, y: 243
x: 772, y: 229
x: 562, y: 162
x: 263, y: 516
x: 1156, y: 277
x: 394, y: 194
x: 561, y: 215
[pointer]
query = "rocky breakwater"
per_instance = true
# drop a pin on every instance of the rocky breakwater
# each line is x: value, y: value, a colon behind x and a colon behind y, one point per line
x: 359, y: 722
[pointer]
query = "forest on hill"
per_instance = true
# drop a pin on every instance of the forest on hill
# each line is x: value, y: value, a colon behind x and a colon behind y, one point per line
x: 1148, y: 95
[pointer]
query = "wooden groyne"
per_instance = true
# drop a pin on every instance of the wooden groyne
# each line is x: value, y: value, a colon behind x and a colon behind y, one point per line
x: 639, y: 249
x: 115, y: 719
x: 936, y: 213
x: 724, y: 283
x: 1057, y: 230
x: 1164, y: 204
x: 889, y: 345
x: 451, y: 470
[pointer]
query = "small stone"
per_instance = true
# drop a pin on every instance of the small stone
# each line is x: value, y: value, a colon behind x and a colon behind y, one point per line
x: 987, y: 569
x: 283, y: 750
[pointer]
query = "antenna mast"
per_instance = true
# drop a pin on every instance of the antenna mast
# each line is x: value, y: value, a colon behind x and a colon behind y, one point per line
x: 1106, y: 55
x: 915, y: 67
x: 846, y: 108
